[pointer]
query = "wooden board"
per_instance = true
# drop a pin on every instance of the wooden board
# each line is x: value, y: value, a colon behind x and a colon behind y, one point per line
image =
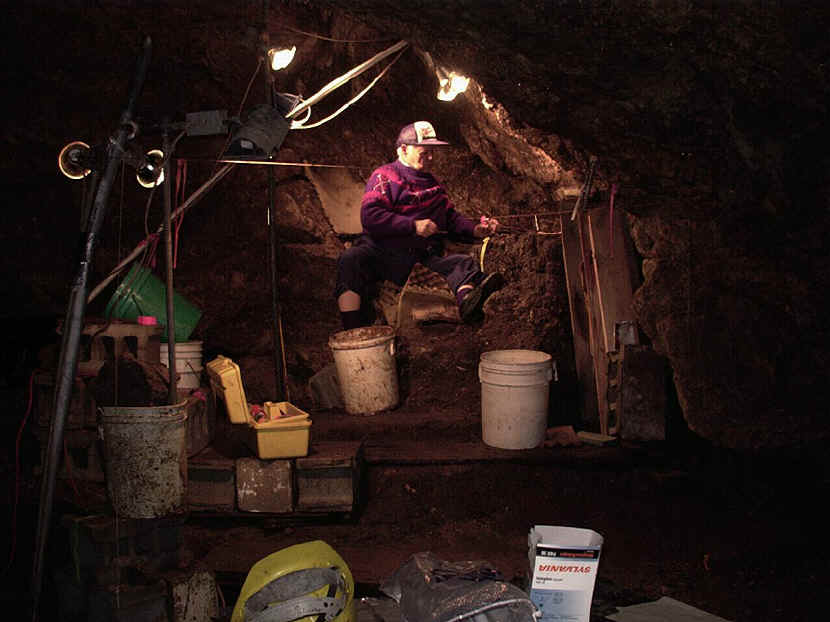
x: 572, y: 257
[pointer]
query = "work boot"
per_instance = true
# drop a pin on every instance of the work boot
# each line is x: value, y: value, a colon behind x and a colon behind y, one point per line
x: 470, y: 306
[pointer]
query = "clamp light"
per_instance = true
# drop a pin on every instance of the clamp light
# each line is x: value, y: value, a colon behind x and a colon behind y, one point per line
x: 150, y: 172
x: 75, y: 159
x: 258, y: 137
x: 280, y: 58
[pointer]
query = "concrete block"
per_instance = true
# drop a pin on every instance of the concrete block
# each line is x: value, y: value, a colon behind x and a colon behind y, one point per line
x: 264, y: 485
x: 643, y: 394
x: 193, y: 595
x: 328, y: 479
x: 129, y: 603
x: 211, y: 482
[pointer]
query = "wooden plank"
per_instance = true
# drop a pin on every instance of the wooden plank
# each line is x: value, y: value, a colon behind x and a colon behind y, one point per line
x: 600, y: 440
x: 614, y: 290
x: 595, y: 340
x: 572, y: 258
x: 614, y: 279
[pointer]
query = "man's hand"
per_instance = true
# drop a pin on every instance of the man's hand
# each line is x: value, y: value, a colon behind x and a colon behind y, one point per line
x: 487, y: 226
x: 425, y: 228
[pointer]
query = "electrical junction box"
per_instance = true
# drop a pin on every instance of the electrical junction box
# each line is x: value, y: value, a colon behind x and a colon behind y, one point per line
x: 206, y: 123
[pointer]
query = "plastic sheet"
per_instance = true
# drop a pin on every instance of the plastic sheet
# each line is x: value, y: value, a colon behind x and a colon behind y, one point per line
x: 432, y: 590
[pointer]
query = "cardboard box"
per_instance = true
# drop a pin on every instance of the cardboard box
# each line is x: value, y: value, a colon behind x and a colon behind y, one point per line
x: 563, y: 569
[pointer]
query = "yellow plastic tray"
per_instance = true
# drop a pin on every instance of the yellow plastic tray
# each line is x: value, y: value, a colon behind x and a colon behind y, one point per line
x: 284, y: 412
x: 227, y: 382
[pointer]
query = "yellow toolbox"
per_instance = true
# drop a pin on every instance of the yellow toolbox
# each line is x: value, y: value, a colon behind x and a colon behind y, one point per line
x: 286, y: 431
x: 227, y: 381
x: 280, y: 439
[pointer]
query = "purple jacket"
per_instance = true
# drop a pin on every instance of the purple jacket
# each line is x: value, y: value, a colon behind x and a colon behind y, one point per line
x: 396, y: 196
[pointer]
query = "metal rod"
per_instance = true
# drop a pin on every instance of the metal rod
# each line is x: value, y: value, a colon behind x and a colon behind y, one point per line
x: 275, y: 292
x: 167, y: 147
x: 73, y: 326
x: 273, y: 270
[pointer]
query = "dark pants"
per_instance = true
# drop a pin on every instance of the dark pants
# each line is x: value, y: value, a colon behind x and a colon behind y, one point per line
x: 366, y: 264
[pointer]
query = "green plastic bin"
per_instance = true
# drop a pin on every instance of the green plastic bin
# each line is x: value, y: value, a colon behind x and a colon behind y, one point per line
x: 142, y: 293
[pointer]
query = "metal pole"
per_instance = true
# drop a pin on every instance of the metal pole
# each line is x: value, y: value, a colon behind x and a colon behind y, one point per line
x: 275, y: 292
x: 273, y: 254
x: 167, y: 147
x: 73, y: 325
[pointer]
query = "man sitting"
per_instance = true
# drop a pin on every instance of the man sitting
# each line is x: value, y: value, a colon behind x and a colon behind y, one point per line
x: 405, y: 211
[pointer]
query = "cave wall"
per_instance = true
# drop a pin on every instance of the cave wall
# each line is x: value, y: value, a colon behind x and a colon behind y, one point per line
x: 710, y: 117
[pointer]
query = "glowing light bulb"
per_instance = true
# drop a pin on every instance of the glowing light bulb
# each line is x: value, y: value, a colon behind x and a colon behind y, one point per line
x: 451, y: 85
x: 281, y: 58
x: 151, y: 171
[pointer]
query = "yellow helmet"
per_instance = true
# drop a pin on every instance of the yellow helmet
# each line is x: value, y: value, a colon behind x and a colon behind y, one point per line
x: 306, y: 582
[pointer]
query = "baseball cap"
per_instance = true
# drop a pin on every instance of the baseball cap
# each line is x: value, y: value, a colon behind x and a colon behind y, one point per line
x: 418, y: 133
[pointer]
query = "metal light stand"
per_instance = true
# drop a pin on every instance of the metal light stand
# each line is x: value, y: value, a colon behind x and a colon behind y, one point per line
x: 276, y: 313
x: 167, y: 148
x: 73, y: 324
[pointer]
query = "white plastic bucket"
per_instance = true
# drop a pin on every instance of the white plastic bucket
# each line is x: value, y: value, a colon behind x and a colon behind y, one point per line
x: 515, y: 388
x: 188, y: 363
x: 145, y: 459
x: 365, y: 362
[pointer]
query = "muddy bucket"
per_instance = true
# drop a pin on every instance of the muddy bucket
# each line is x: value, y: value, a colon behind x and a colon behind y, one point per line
x: 365, y: 362
x: 145, y: 459
x: 515, y: 388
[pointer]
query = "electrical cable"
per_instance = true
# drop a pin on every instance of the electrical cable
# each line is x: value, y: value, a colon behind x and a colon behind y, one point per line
x: 324, y: 38
x: 496, y: 605
x: 299, y: 125
x: 340, y: 81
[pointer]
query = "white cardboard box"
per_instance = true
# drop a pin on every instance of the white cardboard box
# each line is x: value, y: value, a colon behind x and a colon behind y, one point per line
x: 563, y: 565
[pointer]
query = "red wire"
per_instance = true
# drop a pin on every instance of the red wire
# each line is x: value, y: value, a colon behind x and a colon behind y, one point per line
x: 611, y: 221
x: 72, y: 483
x: 181, y: 180
x: 17, y: 471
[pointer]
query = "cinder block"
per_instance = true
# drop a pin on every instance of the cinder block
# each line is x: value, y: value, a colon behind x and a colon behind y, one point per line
x: 102, y: 544
x: 264, y: 485
x: 129, y: 603
x: 211, y: 485
x: 193, y: 595
x: 328, y: 479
